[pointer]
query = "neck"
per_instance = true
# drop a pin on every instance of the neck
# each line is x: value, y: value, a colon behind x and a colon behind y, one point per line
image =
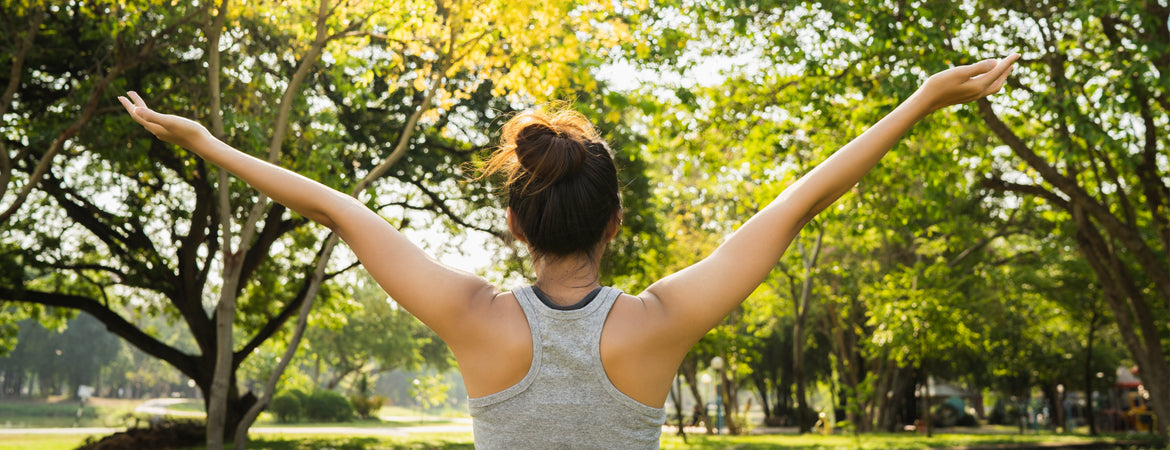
x: 567, y: 279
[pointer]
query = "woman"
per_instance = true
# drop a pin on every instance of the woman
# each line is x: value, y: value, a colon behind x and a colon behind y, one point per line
x: 566, y: 362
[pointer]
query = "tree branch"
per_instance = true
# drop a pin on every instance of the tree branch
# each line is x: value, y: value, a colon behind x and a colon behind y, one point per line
x: 1127, y: 236
x: 113, y: 322
x: 14, y: 75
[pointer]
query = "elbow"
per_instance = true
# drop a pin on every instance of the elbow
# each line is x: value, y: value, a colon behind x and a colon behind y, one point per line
x: 334, y: 210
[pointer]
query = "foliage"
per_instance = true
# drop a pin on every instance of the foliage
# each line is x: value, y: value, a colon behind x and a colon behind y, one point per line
x: 286, y: 406
x: 327, y: 406
x: 365, y: 404
x: 59, y: 359
x: 430, y: 390
x: 123, y: 226
x: 369, y: 333
x: 941, y: 261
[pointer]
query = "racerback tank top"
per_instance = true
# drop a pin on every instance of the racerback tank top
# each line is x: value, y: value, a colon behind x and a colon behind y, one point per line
x: 566, y: 400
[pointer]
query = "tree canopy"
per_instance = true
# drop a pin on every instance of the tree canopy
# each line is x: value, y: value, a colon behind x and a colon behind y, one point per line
x: 1012, y: 244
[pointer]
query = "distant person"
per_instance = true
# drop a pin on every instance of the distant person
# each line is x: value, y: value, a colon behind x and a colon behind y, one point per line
x: 699, y: 415
x: 566, y: 362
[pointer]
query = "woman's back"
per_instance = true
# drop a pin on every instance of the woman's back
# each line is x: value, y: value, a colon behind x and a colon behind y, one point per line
x: 565, y: 386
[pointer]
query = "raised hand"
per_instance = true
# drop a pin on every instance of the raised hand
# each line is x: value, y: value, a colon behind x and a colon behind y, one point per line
x: 174, y: 129
x: 963, y: 84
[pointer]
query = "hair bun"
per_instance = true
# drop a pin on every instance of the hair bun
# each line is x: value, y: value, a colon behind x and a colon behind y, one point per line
x: 548, y: 153
x: 539, y: 149
x: 562, y: 183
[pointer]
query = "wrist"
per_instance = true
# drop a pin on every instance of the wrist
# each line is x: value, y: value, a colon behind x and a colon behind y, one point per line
x: 921, y: 103
x: 197, y: 139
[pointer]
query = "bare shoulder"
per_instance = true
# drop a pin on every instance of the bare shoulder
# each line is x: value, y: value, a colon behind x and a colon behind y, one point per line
x: 494, y: 345
x: 638, y: 320
x: 490, y: 314
x: 648, y: 325
x: 638, y: 350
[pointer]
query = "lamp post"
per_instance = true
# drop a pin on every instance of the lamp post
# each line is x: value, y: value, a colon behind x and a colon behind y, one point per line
x: 717, y: 364
x: 705, y: 379
x: 418, y: 398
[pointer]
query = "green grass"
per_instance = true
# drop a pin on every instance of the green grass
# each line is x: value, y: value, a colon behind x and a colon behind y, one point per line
x: 866, y: 441
x: 356, y: 423
x: 41, y: 441
x: 669, y: 442
x: 188, y: 406
x: 42, y: 414
x: 315, y: 442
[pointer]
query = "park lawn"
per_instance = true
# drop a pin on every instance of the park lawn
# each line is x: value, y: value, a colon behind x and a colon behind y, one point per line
x: 464, y: 441
x: 63, y: 414
x: 42, y: 441
x: 866, y: 441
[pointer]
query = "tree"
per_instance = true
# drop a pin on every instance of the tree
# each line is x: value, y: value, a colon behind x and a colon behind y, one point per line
x: 58, y: 359
x: 1084, y: 124
x: 375, y: 336
x: 1077, y: 139
x: 399, y: 91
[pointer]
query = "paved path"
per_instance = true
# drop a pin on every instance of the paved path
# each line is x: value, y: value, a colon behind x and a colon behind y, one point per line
x: 162, y: 407
x: 364, y: 431
x: 343, y: 430
x: 86, y: 430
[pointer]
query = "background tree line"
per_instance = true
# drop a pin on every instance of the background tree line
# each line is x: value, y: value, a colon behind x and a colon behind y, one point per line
x: 1014, y: 244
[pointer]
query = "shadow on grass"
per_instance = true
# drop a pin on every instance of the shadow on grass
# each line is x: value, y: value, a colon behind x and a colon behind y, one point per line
x: 360, y: 443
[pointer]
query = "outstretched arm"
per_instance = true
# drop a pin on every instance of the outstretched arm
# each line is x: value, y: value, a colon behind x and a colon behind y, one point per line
x: 695, y: 299
x: 434, y: 293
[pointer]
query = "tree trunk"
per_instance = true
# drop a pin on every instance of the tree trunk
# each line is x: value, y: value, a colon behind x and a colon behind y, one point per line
x: 1089, y: 376
x: 760, y: 381
x: 1131, y: 311
x: 222, y: 379
x: 676, y: 398
x: 801, y: 305
x: 688, y: 369
x: 730, y: 396
x: 1114, y: 247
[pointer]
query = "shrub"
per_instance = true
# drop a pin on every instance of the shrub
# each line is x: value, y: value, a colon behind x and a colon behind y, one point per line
x: 366, y: 406
x: 300, y: 395
x: 328, y: 406
x: 286, y: 406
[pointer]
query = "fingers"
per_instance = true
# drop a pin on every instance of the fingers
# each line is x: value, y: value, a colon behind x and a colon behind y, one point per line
x: 137, y: 108
x: 998, y: 83
x: 137, y: 100
x: 132, y: 109
x: 979, y: 68
x: 1003, y: 66
x: 126, y: 104
x: 998, y: 76
x: 140, y: 112
x: 990, y: 69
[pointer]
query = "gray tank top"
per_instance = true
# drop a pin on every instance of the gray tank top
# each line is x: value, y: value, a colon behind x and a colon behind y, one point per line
x: 566, y: 401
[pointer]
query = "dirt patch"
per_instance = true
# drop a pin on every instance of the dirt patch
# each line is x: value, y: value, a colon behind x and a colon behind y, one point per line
x: 165, y: 435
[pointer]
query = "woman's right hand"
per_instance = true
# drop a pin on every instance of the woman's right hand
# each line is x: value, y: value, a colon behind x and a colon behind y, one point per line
x: 963, y: 84
x: 174, y: 129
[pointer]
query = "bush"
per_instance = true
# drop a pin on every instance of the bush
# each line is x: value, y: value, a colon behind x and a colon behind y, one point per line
x: 286, y: 406
x: 328, y: 406
x: 300, y: 395
x: 365, y: 406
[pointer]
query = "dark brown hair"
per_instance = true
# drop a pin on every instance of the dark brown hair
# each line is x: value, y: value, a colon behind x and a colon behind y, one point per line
x: 561, y: 181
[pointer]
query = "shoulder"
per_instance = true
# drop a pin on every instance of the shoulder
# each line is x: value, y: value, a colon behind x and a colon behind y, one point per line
x: 638, y: 318
x: 652, y: 324
x: 493, y: 345
x: 490, y: 309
